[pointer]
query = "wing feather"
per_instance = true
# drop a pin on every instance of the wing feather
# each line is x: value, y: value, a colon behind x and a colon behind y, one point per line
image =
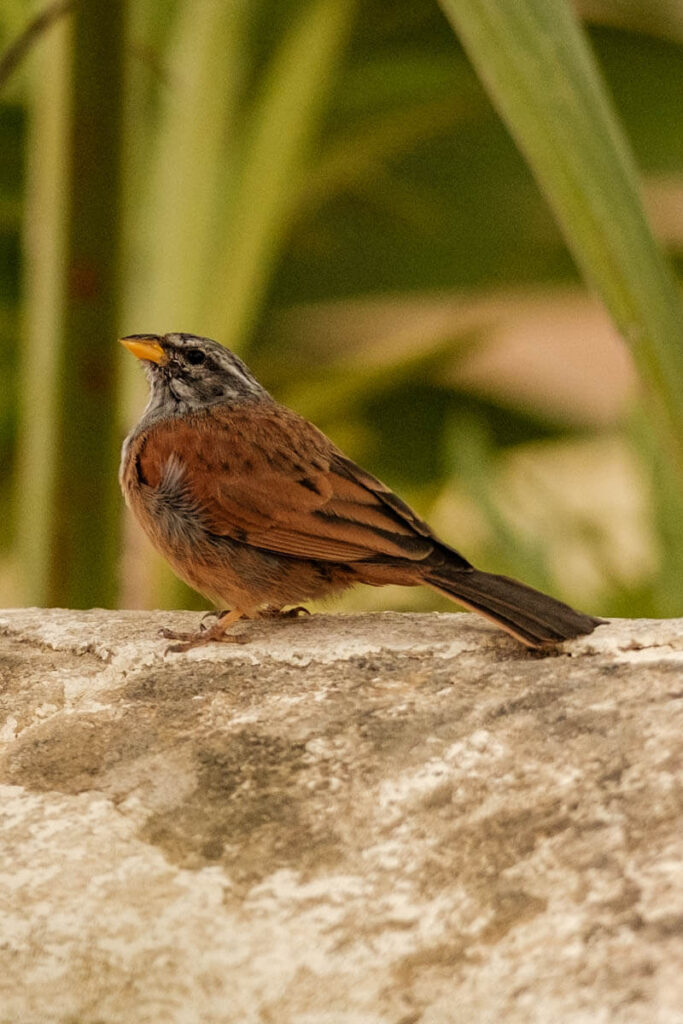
x: 270, y: 479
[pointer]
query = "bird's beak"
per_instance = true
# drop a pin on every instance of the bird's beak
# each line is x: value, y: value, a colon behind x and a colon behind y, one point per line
x: 145, y: 346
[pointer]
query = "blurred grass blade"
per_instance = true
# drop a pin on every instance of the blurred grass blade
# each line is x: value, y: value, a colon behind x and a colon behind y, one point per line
x: 43, y: 319
x: 40, y: 23
x: 535, y: 62
x: 284, y: 120
x: 189, y: 169
x: 86, y: 502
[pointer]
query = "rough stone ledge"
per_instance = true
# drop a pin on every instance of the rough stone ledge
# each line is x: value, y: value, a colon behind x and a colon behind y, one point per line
x: 386, y: 819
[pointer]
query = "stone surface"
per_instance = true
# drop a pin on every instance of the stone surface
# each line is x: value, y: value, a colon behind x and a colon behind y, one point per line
x: 387, y: 819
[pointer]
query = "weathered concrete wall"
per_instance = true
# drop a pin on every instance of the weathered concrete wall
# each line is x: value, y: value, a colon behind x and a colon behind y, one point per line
x: 384, y: 819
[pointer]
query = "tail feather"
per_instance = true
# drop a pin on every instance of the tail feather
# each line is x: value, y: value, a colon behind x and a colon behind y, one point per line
x: 534, y: 618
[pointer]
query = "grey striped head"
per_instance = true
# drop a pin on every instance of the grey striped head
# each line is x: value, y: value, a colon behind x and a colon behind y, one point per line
x: 187, y: 373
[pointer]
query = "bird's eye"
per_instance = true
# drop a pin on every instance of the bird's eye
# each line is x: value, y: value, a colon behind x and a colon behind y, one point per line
x: 195, y: 356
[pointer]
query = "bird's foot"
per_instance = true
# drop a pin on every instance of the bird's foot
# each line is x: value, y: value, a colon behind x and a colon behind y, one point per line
x: 205, y: 634
x: 284, y: 613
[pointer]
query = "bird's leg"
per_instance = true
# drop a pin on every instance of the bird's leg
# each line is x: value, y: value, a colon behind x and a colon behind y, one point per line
x: 216, y: 633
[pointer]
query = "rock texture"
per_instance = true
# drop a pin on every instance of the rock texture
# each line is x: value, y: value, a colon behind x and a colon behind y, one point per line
x: 387, y: 819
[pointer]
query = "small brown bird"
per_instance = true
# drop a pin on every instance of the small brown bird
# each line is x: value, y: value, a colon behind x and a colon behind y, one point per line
x: 254, y: 507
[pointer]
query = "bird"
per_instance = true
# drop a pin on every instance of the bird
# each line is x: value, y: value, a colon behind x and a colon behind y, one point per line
x: 259, y: 511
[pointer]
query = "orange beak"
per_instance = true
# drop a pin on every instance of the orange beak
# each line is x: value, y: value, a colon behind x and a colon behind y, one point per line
x: 145, y: 346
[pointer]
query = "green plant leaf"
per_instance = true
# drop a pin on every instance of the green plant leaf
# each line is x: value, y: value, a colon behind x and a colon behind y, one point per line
x: 285, y: 118
x: 539, y: 71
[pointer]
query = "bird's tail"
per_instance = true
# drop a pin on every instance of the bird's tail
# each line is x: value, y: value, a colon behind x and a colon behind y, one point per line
x: 534, y: 618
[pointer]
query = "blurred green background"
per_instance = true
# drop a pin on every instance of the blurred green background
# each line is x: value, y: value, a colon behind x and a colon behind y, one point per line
x: 385, y: 218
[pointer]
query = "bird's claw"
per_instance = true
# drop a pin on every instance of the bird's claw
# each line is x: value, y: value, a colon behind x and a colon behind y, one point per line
x: 281, y: 613
x: 173, y: 634
x: 215, y: 614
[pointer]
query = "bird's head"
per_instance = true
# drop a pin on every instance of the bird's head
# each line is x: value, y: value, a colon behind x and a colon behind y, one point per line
x: 189, y: 373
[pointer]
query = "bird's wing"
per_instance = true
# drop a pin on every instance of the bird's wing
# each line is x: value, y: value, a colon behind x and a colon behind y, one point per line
x: 271, y: 479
